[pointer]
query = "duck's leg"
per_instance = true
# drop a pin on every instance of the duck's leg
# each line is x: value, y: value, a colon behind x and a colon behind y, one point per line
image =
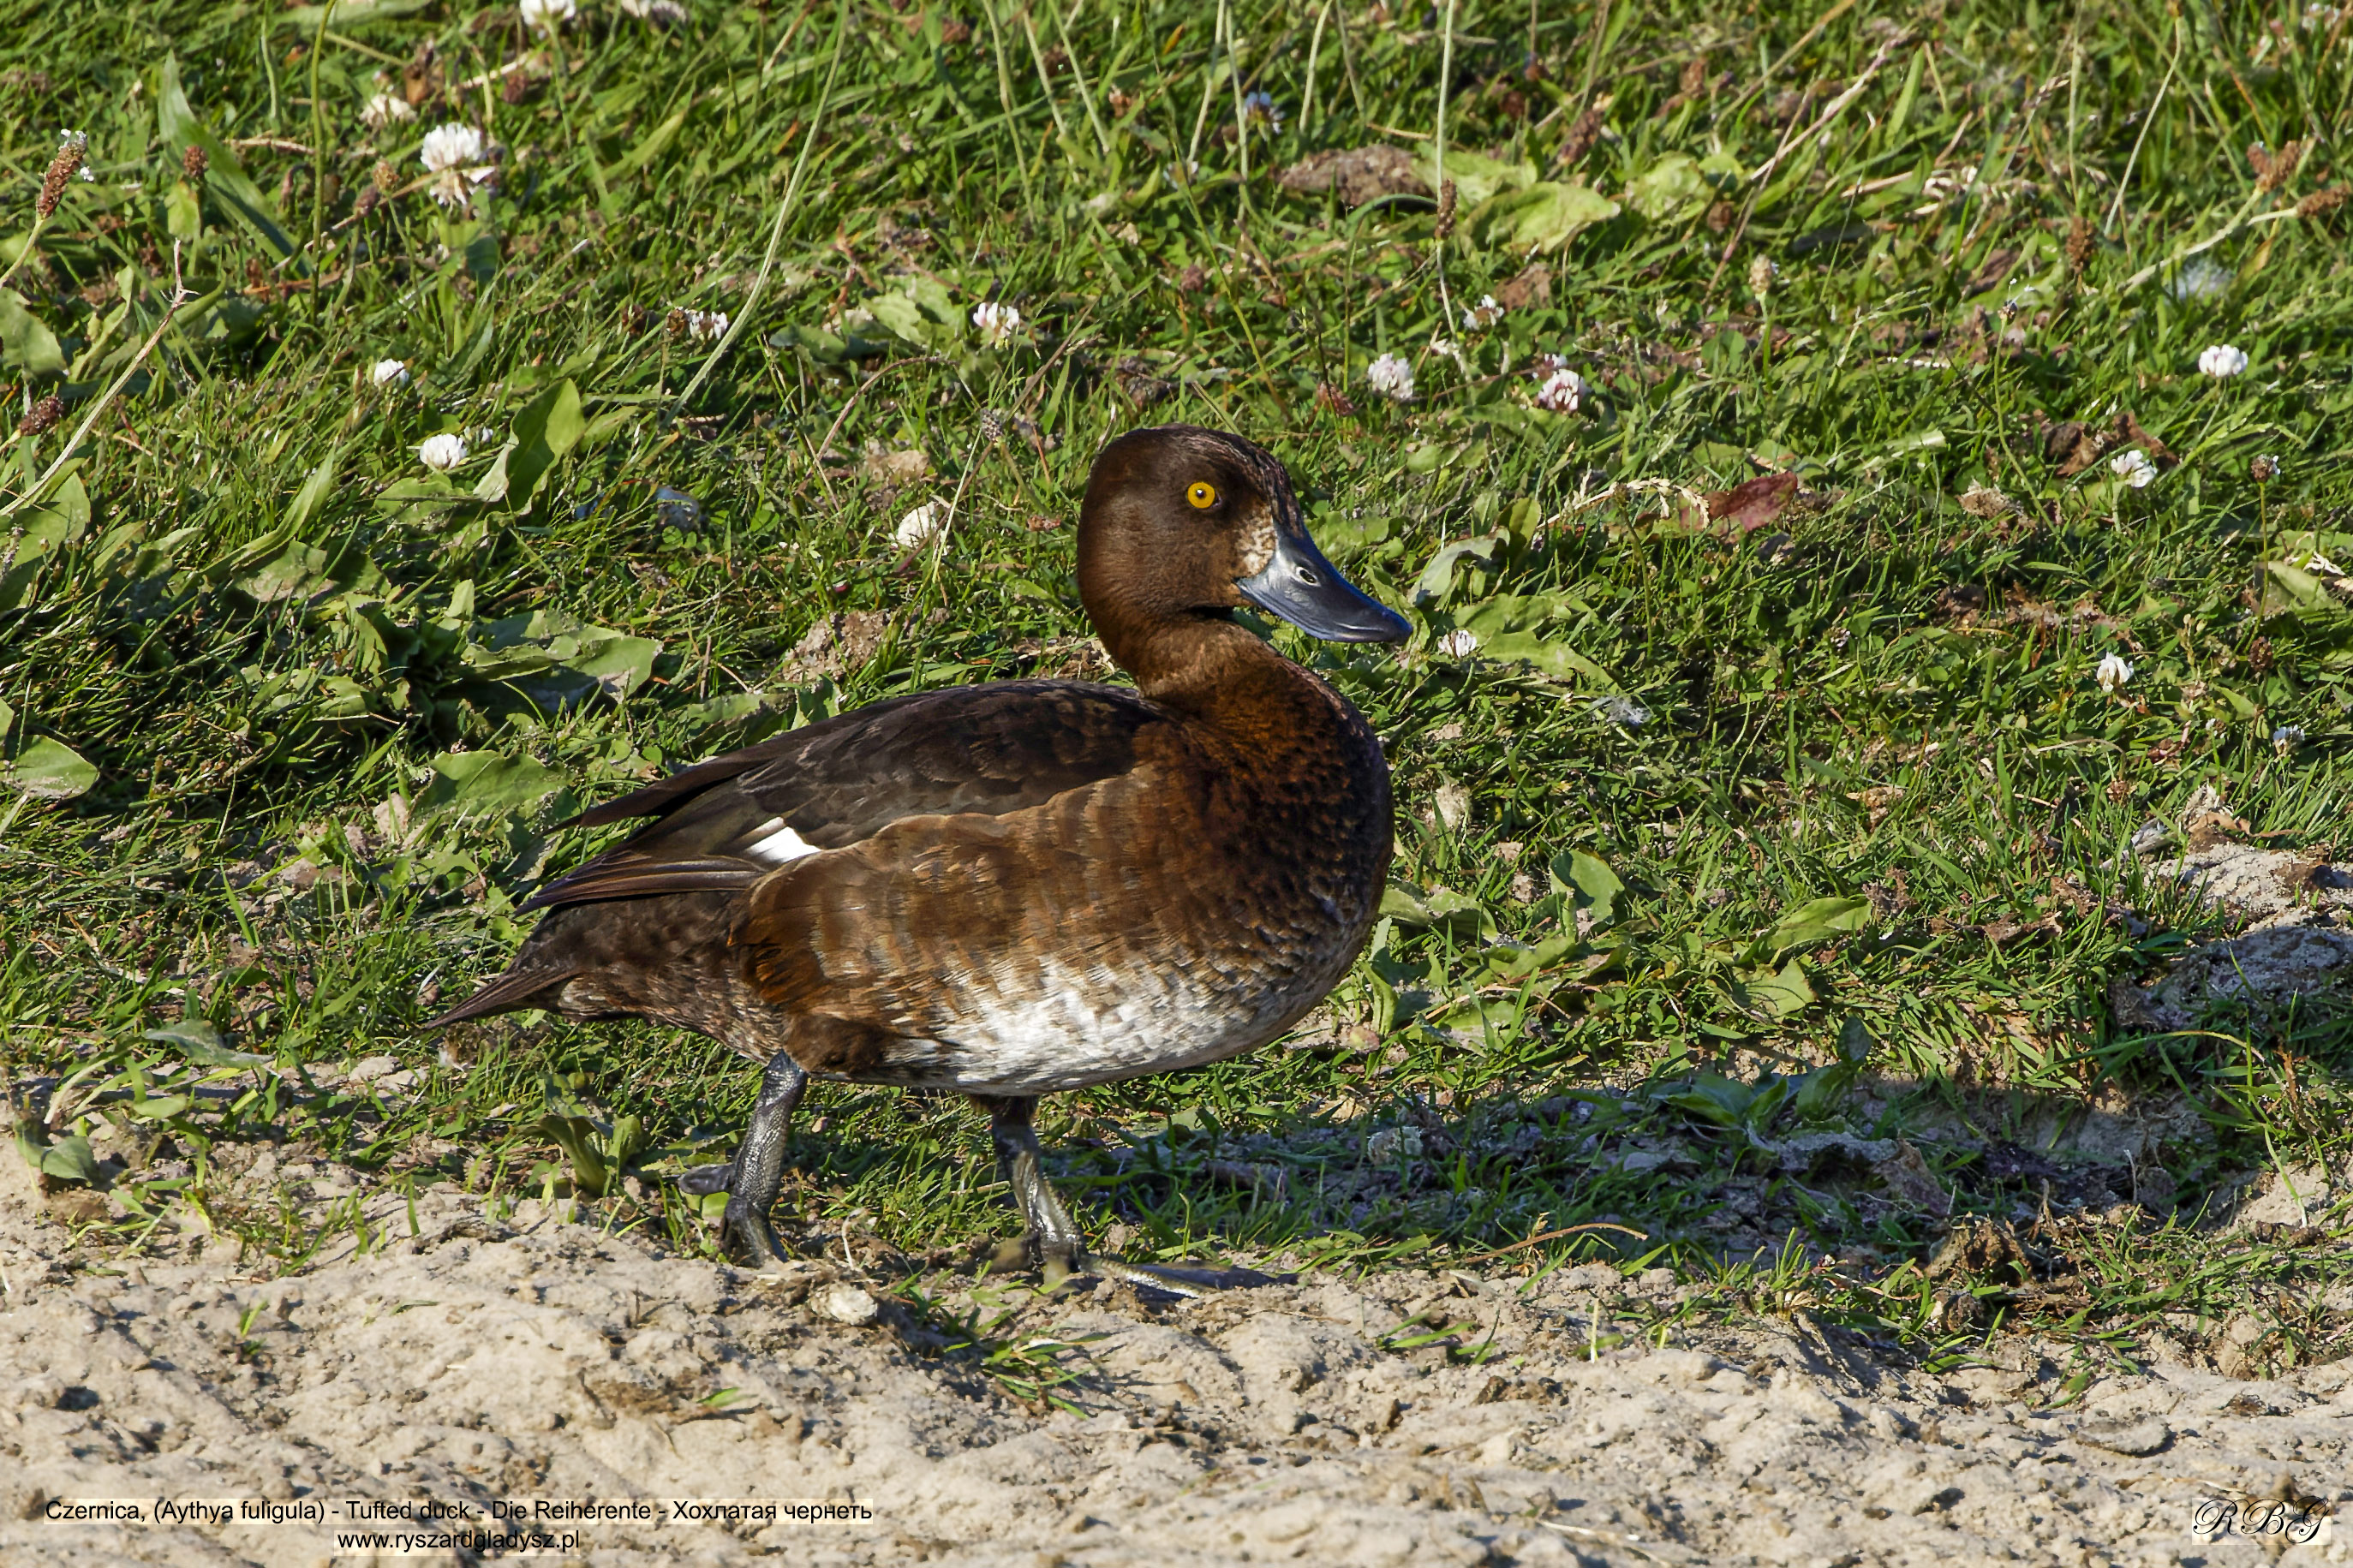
x: 1050, y: 1234
x: 1053, y: 1237
x: 754, y: 1178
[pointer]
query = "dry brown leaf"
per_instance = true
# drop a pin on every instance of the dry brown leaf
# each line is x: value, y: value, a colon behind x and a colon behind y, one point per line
x: 1752, y: 503
x: 1984, y: 501
x: 1533, y: 285
x: 1360, y: 174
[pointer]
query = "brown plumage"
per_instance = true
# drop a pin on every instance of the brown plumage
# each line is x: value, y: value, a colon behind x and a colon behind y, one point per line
x: 1024, y: 885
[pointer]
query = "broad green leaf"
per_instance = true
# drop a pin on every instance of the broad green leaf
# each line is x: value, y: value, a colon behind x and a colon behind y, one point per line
x: 199, y: 1042
x: 1820, y: 1092
x: 49, y: 770
x: 1588, y: 877
x: 1776, y: 995
x: 25, y: 342
x: 242, y: 561
x: 183, y: 212
x: 486, y: 781
x: 1464, y: 916
x: 2242, y: 707
x: 1442, y: 908
x: 925, y: 315
x: 1714, y: 1098
x: 7, y: 718
x: 350, y: 15
x: 830, y: 348
x: 71, y: 1159
x: 1402, y: 901
x: 1507, y: 613
x: 39, y: 533
x: 225, y: 174
x: 1673, y: 187
x: 903, y: 317
x: 314, y: 490
x: 2293, y: 588
x: 302, y: 571
x: 1553, y: 658
x: 1476, y: 177
x: 1816, y: 922
x: 617, y: 663
x: 1437, y: 579
x: 547, y: 428
x: 72, y: 501
x: 1542, y: 218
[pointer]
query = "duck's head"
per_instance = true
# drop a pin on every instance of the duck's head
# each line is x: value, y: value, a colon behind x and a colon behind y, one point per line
x: 1181, y: 526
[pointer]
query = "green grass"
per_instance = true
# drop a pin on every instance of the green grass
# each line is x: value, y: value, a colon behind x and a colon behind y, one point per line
x: 300, y: 713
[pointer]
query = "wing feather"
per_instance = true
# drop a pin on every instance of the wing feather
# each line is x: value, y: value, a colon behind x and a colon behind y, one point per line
x: 726, y: 823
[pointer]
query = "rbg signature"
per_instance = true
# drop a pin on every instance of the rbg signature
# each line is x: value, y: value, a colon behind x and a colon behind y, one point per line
x: 2215, y: 1516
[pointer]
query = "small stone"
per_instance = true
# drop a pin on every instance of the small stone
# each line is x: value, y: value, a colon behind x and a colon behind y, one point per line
x: 2140, y: 1437
x: 847, y: 1304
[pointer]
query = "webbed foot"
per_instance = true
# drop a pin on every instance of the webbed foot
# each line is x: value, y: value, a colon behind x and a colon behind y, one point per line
x: 1172, y: 1280
x: 754, y: 1178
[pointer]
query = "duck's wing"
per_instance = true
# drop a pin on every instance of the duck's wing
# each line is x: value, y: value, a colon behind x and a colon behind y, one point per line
x: 723, y: 823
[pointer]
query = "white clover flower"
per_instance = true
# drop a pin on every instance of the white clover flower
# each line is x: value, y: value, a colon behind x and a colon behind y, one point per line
x: 1457, y: 644
x: 442, y: 453
x: 2133, y: 466
x: 450, y: 147
x: 386, y: 109
x: 389, y: 372
x: 1761, y: 274
x: 705, y: 326
x: 920, y: 527
x: 1623, y: 711
x: 547, y: 15
x: 1562, y: 390
x: 661, y: 12
x: 2113, y: 673
x: 1392, y: 378
x: 1260, y: 107
x: 999, y: 324
x: 2286, y: 738
x: 2222, y: 362
x: 1478, y: 318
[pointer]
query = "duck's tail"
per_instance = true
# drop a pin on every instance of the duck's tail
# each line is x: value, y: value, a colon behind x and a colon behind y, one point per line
x: 511, y: 991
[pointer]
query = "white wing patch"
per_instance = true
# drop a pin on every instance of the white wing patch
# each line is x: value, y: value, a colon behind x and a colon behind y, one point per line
x: 781, y: 846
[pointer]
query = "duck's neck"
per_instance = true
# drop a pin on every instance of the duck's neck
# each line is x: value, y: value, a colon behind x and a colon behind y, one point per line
x: 1218, y: 672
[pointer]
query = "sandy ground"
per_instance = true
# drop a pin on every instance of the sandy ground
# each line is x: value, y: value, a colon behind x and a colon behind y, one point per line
x: 530, y: 1358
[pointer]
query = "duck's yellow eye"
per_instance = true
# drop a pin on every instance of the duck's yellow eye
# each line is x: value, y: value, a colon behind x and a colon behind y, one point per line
x: 1203, y: 495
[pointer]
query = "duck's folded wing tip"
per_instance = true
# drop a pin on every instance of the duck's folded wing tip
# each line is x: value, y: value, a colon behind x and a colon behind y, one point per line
x: 641, y: 877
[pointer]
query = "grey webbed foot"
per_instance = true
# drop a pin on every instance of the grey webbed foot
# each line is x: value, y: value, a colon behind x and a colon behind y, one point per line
x: 754, y: 1178
x: 1052, y: 1239
x: 1171, y: 1281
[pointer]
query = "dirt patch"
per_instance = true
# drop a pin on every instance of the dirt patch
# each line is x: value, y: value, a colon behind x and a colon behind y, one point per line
x: 1402, y: 1417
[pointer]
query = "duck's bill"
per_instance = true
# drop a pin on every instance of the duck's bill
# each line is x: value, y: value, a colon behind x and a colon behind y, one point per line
x: 1308, y: 591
